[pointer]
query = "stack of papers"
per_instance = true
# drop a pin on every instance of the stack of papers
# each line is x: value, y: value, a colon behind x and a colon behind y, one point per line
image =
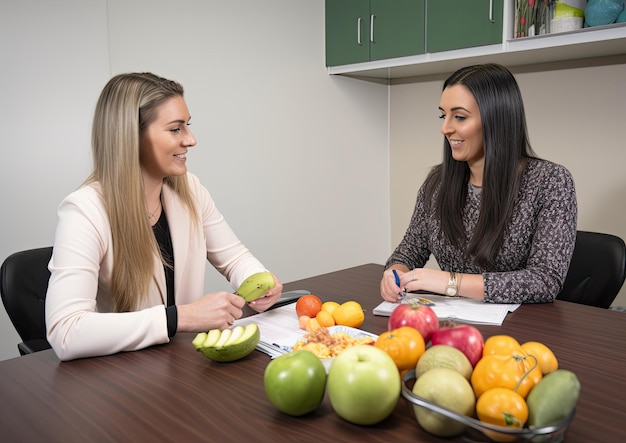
x: 279, y: 329
x: 463, y: 310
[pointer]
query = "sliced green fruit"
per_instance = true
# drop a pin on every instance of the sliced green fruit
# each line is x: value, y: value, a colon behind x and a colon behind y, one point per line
x: 251, y: 333
x: 234, y: 336
x: 199, y: 340
x: 239, y: 342
x: 223, y: 338
x: 212, y: 337
x: 256, y: 286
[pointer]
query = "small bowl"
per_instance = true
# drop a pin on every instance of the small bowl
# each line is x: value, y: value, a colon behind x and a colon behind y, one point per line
x: 352, y: 332
x: 477, y: 431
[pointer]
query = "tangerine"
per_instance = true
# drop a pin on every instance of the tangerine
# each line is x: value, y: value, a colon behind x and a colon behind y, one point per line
x: 329, y: 306
x: 349, y: 314
x: 546, y: 359
x: 325, y: 318
x: 502, y: 344
x: 308, y: 305
x: 502, y: 407
x: 405, y: 346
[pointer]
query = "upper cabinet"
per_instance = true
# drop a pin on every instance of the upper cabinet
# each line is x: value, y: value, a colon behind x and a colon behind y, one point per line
x: 456, y: 24
x: 408, y: 38
x: 365, y: 30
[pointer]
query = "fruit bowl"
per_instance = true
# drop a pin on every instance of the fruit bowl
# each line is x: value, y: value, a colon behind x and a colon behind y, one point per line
x: 477, y: 431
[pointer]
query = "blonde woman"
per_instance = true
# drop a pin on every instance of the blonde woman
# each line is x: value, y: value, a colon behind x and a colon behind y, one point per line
x: 132, y: 242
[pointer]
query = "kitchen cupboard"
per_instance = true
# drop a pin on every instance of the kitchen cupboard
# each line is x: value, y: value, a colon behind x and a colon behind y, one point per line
x: 456, y: 24
x: 445, y: 50
x: 365, y: 30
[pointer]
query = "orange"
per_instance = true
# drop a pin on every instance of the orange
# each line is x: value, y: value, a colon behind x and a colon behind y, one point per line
x: 545, y: 357
x: 349, y: 314
x: 308, y: 305
x: 502, y: 407
x: 325, y: 318
x: 405, y: 346
x: 329, y: 306
x: 502, y: 344
x: 514, y: 372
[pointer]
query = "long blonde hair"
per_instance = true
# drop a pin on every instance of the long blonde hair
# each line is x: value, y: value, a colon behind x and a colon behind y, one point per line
x: 127, y: 105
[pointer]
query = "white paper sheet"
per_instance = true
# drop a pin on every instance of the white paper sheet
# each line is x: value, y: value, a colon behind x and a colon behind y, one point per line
x: 275, y: 325
x: 460, y: 309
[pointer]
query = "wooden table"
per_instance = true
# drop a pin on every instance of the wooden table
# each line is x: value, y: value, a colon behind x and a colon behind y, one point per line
x: 172, y: 393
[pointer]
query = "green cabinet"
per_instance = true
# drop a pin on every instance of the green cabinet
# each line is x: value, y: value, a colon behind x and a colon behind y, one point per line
x: 455, y: 32
x: 365, y: 30
x: 457, y: 24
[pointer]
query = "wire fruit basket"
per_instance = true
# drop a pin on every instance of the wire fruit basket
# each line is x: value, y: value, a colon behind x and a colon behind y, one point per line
x: 477, y: 431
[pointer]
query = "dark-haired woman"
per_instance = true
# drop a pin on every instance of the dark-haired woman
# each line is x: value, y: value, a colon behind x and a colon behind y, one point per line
x: 500, y: 221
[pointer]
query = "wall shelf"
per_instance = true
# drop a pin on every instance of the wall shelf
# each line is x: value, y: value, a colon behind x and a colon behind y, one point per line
x: 581, y: 44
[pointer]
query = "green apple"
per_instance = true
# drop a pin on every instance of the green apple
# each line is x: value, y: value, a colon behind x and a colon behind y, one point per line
x: 363, y: 385
x: 447, y: 388
x: 295, y: 382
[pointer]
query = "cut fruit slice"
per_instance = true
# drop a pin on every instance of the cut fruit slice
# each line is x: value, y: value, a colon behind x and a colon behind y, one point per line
x: 234, y: 336
x: 249, y: 331
x: 212, y: 337
x: 199, y: 340
x: 223, y: 338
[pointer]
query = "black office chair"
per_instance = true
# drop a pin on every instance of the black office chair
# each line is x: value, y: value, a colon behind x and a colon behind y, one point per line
x: 24, y: 281
x: 597, y: 271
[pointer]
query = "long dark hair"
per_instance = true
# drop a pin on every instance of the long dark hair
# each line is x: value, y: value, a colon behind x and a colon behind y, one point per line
x: 506, y: 146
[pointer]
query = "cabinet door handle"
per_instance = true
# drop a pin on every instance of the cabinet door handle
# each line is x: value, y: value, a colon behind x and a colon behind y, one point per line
x: 491, y: 11
x: 358, y: 31
x: 372, y: 27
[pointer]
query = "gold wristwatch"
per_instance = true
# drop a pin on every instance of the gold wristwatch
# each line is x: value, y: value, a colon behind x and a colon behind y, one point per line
x: 452, y: 288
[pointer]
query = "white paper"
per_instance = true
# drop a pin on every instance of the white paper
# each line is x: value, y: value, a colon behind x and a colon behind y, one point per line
x: 275, y: 325
x: 460, y: 309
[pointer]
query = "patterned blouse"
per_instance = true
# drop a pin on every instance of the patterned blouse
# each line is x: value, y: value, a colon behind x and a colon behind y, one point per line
x: 531, y: 264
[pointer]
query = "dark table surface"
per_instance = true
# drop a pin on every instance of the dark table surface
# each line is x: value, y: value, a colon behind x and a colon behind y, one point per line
x: 172, y: 393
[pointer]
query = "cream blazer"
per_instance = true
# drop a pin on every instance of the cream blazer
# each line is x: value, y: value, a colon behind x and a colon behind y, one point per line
x: 79, y: 310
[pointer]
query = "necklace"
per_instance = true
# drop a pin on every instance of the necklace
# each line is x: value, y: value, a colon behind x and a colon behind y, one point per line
x: 151, y: 215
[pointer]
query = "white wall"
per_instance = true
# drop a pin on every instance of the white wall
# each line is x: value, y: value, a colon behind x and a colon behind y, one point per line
x: 54, y: 61
x: 297, y: 160
x: 576, y: 114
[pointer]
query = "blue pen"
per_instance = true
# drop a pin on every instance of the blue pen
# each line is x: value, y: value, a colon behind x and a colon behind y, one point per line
x: 397, y: 277
x: 395, y: 274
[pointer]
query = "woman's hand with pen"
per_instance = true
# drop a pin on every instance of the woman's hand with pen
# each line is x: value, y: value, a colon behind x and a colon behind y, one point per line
x: 391, y: 288
x: 398, y: 280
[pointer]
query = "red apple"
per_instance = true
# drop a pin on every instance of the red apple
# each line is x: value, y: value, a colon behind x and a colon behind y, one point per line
x: 420, y: 317
x: 465, y: 338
